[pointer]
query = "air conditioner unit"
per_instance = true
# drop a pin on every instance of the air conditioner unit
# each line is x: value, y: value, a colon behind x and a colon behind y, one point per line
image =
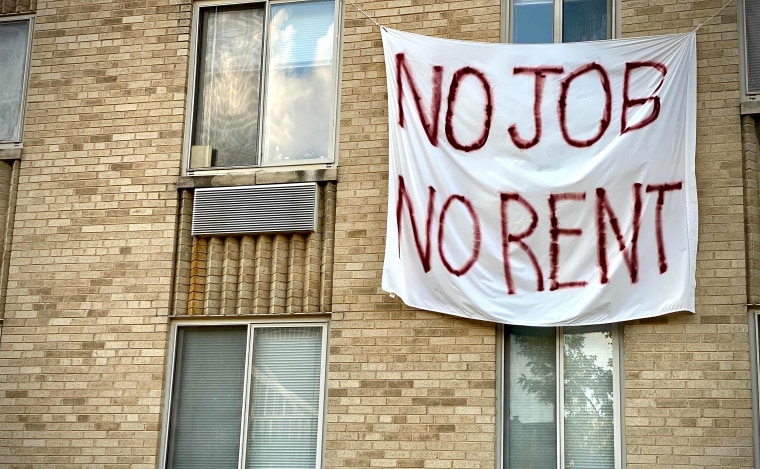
x: 270, y: 208
x: 751, y: 50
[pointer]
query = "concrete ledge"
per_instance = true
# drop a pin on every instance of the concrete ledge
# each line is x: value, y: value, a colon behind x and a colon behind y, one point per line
x: 750, y: 107
x: 10, y: 153
x: 259, y: 177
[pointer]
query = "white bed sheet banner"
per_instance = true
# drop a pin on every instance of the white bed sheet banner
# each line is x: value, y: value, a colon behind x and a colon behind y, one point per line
x: 542, y: 185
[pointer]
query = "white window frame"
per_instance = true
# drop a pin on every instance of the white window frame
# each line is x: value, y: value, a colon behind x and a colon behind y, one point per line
x: 192, y: 88
x: 17, y: 141
x: 251, y: 324
x: 502, y: 399
x: 507, y: 27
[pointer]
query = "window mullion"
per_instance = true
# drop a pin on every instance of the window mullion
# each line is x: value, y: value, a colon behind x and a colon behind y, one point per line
x: 264, y: 80
x: 558, y: 20
x: 246, y: 398
x: 560, y: 379
x: 617, y: 393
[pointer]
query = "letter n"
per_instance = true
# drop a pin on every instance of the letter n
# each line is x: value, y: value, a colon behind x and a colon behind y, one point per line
x: 404, y: 199
x: 431, y: 126
x: 604, y: 210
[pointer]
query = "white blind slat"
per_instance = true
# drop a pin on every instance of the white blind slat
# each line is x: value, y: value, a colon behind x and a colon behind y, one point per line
x: 285, y: 398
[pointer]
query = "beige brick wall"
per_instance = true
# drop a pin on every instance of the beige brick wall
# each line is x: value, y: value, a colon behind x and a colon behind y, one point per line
x: 687, y: 379
x: 687, y: 382
x: 17, y: 6
x: 751, y: 150
x: 406, y: 388
x: 83, y: 345
x: 8, y: 193
x: 84, y: 338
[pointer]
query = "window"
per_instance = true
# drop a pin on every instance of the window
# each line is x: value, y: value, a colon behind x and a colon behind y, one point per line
x: 750, y: 48
x: 15, y: 45
x: 265, y: 84
x: 246, y: 396
x: 544, y: 21
x: 561, y: 393
x: 754, y: 358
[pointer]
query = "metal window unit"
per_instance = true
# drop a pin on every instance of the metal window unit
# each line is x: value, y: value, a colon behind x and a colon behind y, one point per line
x: 191, y: 155
x: 270, y: 208
x: 252, y: 325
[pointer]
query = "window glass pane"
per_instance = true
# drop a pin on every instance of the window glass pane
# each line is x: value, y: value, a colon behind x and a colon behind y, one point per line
x: 207, y: 398
x: 13, y: 50
x: 300, y: 81
x: 532, y: 425
x: 284, y: 415
x: 228, y: 82
x: 588, y: 404
x: 533, y: 21
x: 584, y: 20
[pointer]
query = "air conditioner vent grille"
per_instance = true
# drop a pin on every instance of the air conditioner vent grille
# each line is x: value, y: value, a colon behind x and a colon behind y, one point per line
x: 752, y: 30
x: 276, y: 208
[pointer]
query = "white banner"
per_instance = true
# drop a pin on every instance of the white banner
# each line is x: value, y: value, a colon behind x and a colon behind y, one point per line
x: 542, y: 185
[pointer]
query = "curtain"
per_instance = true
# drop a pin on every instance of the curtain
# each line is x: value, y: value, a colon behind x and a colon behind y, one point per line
x: 228, y: 83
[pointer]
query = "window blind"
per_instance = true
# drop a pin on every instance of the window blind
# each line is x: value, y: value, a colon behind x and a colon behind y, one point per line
x: 285, y: 391
x: 208, y: 396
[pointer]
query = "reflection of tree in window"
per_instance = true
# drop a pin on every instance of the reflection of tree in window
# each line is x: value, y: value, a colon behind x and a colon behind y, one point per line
x: 587, y: 402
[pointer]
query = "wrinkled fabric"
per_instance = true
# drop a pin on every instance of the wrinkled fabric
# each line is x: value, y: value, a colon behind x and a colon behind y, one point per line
x: 542, y: 185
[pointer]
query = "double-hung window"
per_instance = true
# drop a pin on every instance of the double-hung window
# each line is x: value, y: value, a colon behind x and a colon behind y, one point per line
x: 561, y: 395
x: 246, y: 396
x: 15, y: 49
x: 545, y: 21
x: 265, y: 84
x: 561, y: 387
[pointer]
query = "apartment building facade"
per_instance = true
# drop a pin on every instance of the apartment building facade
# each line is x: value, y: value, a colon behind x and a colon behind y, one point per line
x: 193, y: 197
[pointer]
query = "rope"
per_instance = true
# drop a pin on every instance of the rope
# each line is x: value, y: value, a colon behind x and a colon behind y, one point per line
x: 713, y: 16
x: 370, y: 18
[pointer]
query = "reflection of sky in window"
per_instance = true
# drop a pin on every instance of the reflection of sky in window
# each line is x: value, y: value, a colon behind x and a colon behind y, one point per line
x: 300, y: 30
x: 533, y: 21
x: 583, y: 20
x: 300, y: 83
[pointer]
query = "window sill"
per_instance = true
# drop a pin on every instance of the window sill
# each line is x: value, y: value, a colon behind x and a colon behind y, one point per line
x: 259, y: 177
x: 750, y: 107
x: 10, y: 153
